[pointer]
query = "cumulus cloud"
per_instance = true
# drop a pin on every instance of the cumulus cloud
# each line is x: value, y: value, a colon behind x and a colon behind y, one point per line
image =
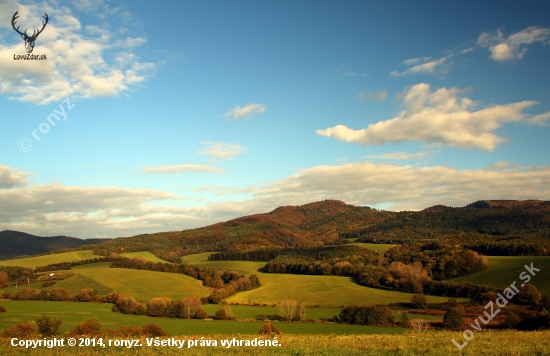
x: 10, y: 177
x: 183, y: 168
x: 399, y: 155
x: 221, y: 150
x: 367, y: 96
x: 53, y: 208
x: 440, y: 117
x: 514, y: 46
x: 425, y: 65
x: 83, y: 61
x: 405, y: 187
x: 246, y: 111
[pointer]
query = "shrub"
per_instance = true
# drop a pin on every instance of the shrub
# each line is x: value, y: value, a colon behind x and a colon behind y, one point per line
x: 405, y: 320
x: 419, y: 301
x: 87, y: 295
x: 269, y: 329
x: 2, y: 309
x: 153, y: 330
x: 453, y: 319
x: 48, y: 284
x: 201, y: 314
x: 529, y: 294
x: 375, y: 315
x: 20, y: 331
x: 90, y: 326
x: 221, y: 314
x: 512, y: 320
x: 60, y: 294
x: 48, y: 326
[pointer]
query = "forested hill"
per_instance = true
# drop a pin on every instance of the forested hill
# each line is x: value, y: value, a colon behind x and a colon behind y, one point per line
x: 490, y: 227
x: 15, y: 243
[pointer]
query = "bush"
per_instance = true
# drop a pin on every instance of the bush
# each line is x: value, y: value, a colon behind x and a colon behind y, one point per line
x: 20, y: 331
x: 453, y: 319
x: 201, y: 314
x: 419, y: 301
x: 48, y: 284
x: 90, y: 326
x: 87, y: 295
x: 2, y: 309
x: 221, y: 314
x: 405, y: 320
x: 376, y: 315
x: 512, y: 320
x: 48, y: 326
x: 528, y: 294
x: 269, y: 329
x: 153, y: 330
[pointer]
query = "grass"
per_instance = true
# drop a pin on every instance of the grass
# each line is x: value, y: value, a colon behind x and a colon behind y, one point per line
x: 146, y: 255
x: 73, y: 313
x: 32, y: 262
x: 310, y: 290
x: 409, y: 344
x: 140, y: 284
x: 253, y: 312
x: 504, y: 270
x: 374, y: 247
x: 198, y: 257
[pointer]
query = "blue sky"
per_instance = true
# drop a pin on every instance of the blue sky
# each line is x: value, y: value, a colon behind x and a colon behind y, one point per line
x: 179, y: 114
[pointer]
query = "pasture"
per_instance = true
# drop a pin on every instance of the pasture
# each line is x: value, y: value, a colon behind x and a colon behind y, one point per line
x: 73, y: 313
x: 328, y: 291
x: 44, y: 260
x: 504, y: 270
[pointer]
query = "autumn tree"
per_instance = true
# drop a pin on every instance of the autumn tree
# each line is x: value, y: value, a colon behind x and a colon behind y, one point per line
x: 528, y: 294
x: 453, y: 319
x: 157, y: 306
x: 419, y: 301
x: 289, y: 309
x: 3, y: 279
x: 191, y: 304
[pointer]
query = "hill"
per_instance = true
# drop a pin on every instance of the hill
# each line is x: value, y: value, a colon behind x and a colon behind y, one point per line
x: 489, y: 227
x: 14, y: 243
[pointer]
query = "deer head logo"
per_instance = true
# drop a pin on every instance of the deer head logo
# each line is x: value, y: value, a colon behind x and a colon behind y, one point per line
x: 29, y: 40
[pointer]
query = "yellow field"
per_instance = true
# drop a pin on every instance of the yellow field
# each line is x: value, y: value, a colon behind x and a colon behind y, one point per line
x: 32, y: 262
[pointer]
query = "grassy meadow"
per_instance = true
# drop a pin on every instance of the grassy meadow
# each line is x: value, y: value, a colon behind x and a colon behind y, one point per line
x: 142, y: 285
x: 504, y: 270
x: 32, y: 262
x: 146, y: 255
x: 73, y: 313
x: 409, y: 344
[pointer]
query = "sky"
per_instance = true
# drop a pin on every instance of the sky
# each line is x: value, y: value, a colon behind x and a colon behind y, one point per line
x: 153, y: 116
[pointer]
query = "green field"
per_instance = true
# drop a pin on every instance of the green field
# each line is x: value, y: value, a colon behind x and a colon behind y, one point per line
x: 199, y: 257
x: 32, y: 262
x: 374, y: 247
x: 146, y: 255
x: 504, y: 270
x: 311, y: 290
x: 74, y: 313
x: 142, y: 285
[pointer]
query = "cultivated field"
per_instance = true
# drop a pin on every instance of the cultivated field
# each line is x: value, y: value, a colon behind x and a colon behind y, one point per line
x: 504, y: 270
x: 32, y: 262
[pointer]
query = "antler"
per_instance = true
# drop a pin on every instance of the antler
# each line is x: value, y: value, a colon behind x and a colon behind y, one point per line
x: 44, y: 23
x: 15, y: 17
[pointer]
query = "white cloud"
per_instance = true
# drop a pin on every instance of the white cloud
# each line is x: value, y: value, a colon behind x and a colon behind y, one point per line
x: 427, y: 65
x: 367, y: 96
x: 183, y: 168
x: 10, y: 177
x: 514, y: 46
x: 246, y: 111
x: 539, y: 119
x: 399, y: 155
x: 83, y: 62
x: 439, y: 117
x: 221, y: 150
x: 56, y: 209
x: 353, y: 74
x: 404, y: 187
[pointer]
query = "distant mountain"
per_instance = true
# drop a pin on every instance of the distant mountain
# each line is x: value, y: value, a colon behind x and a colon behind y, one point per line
x: 333, y: 221
x: 15, y: 243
